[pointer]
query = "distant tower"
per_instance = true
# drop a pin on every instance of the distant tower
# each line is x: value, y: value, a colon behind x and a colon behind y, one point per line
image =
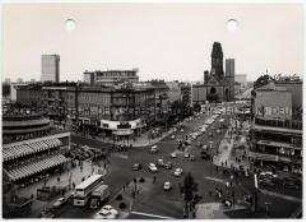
x: 50, y: 67
x: 230, y: 68
x: 230, y: 76
x: 217, y: 61
x: 206, y: 76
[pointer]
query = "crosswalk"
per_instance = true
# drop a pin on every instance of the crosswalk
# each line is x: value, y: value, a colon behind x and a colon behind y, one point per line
x: 150, y: 215
x: 214, y: 179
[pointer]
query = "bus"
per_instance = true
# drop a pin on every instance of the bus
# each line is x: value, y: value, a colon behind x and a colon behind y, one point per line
x: 83, y: 191
x: 99, y: 196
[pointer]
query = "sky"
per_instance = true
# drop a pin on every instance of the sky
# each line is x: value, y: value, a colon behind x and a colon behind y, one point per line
x: 164, y: 41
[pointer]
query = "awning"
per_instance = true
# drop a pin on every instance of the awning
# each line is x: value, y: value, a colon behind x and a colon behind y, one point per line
x: 36, y: 167
x: 123, y: 132
x: 275, y: 144
x: 13, y: 151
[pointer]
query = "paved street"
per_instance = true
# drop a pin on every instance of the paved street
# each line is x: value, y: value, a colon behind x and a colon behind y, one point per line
x: 152, y: 200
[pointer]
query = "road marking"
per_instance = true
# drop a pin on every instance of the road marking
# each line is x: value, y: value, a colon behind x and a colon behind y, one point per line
x: 282, y: 196
x: 173, y: 143
x: 215, y: 179
x: 151, y: 215
x: 120, y: 156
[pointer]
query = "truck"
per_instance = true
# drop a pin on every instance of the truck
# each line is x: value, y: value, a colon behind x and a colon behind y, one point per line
x: 99, y: 196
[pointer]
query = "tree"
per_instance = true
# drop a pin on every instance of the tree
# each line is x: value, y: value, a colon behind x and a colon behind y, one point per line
x: 189, y: 188
x: 197, y: 107
x: 212, y: 97
x: 262, y: 81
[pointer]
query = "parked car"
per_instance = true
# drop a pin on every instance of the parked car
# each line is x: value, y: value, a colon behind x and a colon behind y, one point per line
x: 178, y: 172
x: 160, y: 162
x: 168, y: 165
x: 291, y: 183
x: 137, y: 166
x: 107, y: 212
x: 173, y: 155
x: 173, y: 137
x: 192, y: 157
x: 152, y: 167
x: 186, y: 155
x: 59, y: 202
x: 167, y: 186
x: 154, y: 149
x: 267, y: 182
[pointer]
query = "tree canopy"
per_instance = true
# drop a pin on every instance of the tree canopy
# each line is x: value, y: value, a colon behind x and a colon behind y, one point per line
x: 262, y: 81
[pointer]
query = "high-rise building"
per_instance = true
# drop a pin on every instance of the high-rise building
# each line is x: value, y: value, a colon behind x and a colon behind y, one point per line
x: 229, y: 67
x: 50, y: 68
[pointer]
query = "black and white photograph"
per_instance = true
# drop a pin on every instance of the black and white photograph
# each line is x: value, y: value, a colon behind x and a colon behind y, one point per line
x: 152, y: 110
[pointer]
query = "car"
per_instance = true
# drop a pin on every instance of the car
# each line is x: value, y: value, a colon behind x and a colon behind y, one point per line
x: 182, y: 130
x: 172, y: 137
x: 59, y: 202
x: 178, y: 172
x: 152, y: 167
x: 154, y: 149
x: 267, y: 174
x: 186, y: 155
x: 203, y: 129
x: 47, y: 214
x: 173, y: 155
x: 266, y: 182
x: 160, y: 162
x: 188, y: 142
x: 167, y: 185
x: 107, y: 212
x: 205, y: 155
x: 136, y: 166
x: 168, y: 165
x: 192, y: 157
x: 291, y: 183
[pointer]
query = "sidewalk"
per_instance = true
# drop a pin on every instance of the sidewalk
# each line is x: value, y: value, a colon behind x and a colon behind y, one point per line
x: 76, y: 177
x: 214, y: 211
x: 226, y: 156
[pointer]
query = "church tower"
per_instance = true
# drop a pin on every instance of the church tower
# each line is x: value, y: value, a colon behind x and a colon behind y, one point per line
x: 217, y: 61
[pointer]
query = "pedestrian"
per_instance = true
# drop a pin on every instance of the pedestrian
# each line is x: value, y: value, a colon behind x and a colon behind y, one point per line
x: 227, y: 184
x: 154, y: 179
x: 210, y: 193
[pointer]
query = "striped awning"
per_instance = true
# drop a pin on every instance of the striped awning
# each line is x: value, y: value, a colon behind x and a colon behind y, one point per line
x: 13, y: 151
x: 36, y: 167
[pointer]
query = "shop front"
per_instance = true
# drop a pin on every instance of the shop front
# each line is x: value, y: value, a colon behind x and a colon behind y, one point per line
x: 121, y: 130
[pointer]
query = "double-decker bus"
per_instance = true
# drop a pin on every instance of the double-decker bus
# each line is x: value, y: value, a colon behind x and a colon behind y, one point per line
x: 83, y: 191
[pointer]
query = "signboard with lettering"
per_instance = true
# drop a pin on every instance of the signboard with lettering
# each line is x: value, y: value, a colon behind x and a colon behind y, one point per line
x: 273, y: 111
